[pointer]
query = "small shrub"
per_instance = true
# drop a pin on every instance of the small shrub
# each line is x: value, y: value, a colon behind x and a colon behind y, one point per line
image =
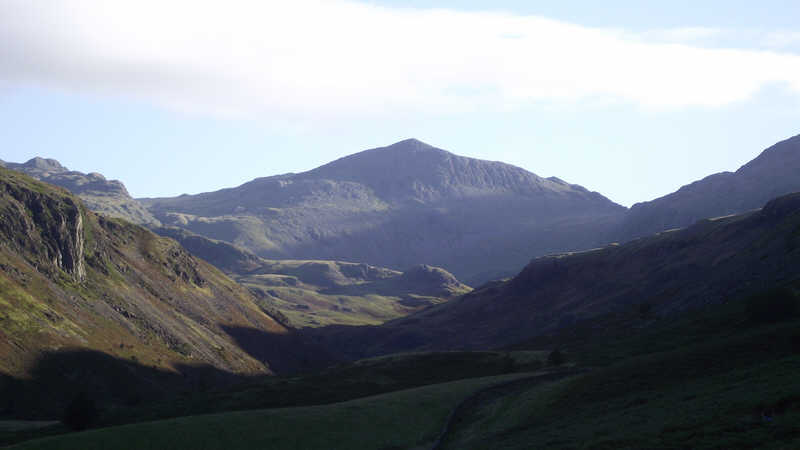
x: 556, y: 358
x: 645, y: 309
x: 80, y: 412
x: 509, y: 365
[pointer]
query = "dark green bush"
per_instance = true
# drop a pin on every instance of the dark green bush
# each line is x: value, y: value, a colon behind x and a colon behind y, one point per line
x: 80, y: 412
x: 556, y: 358
x: 772, y: 306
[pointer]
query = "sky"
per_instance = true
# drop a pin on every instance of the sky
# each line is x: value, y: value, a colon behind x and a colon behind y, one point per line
x: 632, y: 99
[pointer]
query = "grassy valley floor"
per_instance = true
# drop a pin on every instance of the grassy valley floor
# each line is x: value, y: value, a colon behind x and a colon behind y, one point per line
x: 725, y: 377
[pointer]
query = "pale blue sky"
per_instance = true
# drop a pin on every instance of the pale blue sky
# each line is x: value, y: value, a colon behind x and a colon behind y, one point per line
x: 171, y: 123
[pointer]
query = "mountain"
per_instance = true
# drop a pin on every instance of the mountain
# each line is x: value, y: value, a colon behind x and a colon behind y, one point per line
x: 398, y: 206
x: 314, y: 293
x: 773, y: 173
x: 107, y: 197
x: 710, y: 262
x: 84, y: 296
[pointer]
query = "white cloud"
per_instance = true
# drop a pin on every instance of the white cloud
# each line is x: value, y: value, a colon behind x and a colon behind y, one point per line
x: 782, y: 39
x: 684, y: 35
x: 340, y: 58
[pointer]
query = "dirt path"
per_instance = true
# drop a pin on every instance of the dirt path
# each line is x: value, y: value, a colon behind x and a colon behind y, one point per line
x: 491, y: 394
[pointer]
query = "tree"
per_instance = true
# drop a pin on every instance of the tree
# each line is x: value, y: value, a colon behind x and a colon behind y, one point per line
x: 555, y: 358
x: 772, y: 306
x: 80, y: 412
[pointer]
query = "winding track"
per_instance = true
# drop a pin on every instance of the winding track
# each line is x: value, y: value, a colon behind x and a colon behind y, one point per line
x: 492, y: 392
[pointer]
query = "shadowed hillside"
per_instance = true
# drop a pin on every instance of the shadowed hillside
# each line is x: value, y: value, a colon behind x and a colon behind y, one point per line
x: 710, y: 262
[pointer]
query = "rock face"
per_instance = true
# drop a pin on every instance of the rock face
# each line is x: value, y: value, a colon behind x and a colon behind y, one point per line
x: 709, y: 262
x: 49, y: 231
x: 402, y: 205
x: 773, y: 173
x: 107, y: 197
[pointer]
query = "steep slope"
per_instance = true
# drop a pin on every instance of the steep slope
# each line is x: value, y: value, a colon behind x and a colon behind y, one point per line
x: 773, y: 173
x: 401, y: 205
x: 710, y: 262
x: 105, y: 293
x: 107, y: 197
x: 315, y: 293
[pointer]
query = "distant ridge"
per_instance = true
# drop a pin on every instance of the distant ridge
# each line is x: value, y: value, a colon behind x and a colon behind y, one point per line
x: 775, y: 172
x: 318, y: 293
x: 109, y: 197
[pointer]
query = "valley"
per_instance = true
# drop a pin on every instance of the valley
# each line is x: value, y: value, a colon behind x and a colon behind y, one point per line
x: 293, y: 310
x: 308, y: 293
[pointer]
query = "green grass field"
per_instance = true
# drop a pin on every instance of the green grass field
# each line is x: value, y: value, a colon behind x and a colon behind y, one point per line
x: 17, y: 430
x: 406, y: 419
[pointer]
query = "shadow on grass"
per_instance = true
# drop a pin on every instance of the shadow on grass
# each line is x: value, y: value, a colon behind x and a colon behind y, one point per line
x: 59, y: 376
x: 286, y: 354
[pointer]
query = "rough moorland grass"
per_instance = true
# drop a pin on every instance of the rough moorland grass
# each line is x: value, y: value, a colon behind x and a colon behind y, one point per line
x: 406, y: 419
x: 755, y: 407
x: 712, y: 380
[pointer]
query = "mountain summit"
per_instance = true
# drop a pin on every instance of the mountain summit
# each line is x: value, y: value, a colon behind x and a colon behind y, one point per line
x: 401, y: 205
x: 44, y: 164
x: 414, y: 170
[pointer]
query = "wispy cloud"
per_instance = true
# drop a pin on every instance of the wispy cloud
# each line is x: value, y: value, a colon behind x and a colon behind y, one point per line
x: 333, y: 58
x: 782, y: 39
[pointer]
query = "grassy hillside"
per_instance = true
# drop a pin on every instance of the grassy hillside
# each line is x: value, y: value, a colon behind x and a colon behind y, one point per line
x: 719, y: 378
x: 723, y: 377
x: 89, y: 302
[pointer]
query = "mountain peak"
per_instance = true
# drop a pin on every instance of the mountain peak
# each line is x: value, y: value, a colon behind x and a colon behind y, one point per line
x: 411, y: 170
x: 411, y: 144
x: 44, y: 164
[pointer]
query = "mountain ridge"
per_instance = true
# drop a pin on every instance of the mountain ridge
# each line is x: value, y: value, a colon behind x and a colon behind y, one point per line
x: 770, y: 174
x: 396, y: 206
